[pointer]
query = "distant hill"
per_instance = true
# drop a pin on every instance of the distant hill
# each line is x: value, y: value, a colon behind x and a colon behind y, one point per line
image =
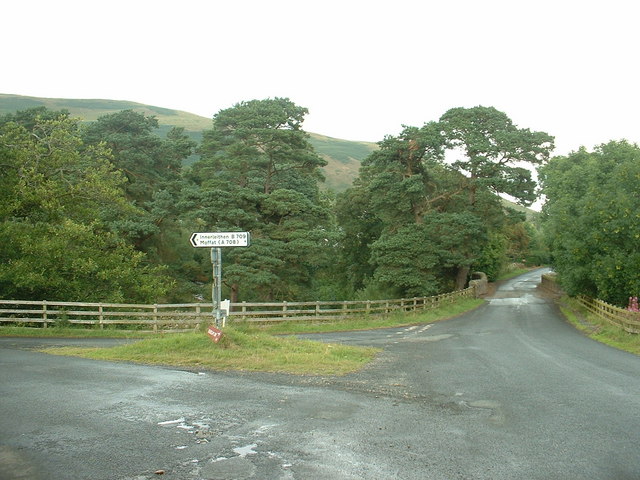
x: 343, y: 156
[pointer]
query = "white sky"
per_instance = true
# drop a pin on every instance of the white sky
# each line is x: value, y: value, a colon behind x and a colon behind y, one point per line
x: 362, y: 68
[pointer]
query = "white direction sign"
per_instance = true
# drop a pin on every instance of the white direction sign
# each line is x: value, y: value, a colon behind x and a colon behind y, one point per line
x: 221, y: 239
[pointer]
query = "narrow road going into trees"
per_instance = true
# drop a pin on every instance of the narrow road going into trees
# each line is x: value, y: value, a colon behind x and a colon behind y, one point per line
x: 507, y: 391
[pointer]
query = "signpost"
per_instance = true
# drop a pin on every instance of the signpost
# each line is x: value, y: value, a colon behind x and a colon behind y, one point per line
x: 221, y: 239
x: 216, y: 240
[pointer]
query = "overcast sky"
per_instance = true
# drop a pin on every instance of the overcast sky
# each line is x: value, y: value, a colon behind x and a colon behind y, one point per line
x: 362, y: 68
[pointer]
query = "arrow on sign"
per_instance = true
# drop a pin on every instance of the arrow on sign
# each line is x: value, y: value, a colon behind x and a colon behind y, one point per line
x: 194, y: 240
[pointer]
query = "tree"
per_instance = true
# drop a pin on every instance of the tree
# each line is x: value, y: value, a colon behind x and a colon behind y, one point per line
x: 46, y: 177
x: 259, y: 173
x: 72, y: 261
x: 263, y: 143
x: 30, y: 117
x: 56, y: 196
x: 422, y: 259
x: 406, y: 204
x: 400, y: 176
x: 591, y: 220
x: 152, y: 166
x: 495, y: 153
x: 360, y: 226
x: 494, y: 150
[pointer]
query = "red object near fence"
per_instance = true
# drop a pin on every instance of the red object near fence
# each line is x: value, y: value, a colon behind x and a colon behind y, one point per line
x: 214, y: 333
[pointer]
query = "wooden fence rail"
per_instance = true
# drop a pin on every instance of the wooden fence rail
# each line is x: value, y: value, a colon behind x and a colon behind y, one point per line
x: 191, y: 315
x: 620, y: 317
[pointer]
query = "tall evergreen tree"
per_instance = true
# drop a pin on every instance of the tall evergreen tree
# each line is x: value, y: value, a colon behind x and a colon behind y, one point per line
x: 494, y: 155
x: 259, y: 173
x: 494, y: 151
x: 152, y: 166
x: 413, y: 234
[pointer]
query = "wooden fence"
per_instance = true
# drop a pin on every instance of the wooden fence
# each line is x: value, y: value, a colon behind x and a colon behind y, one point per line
x: 191, y: 315
x: 620, y: 317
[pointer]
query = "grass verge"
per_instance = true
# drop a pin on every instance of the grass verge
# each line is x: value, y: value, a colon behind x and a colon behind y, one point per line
x: 236, y: 350
x: 255, y: 348
x: 597, y: 328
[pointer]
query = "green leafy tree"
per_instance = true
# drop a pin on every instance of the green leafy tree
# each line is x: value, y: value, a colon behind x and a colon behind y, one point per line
x: 55, y: 200
x: 360, y: 226
x: 72, y: 261
x: 591, y: 220
x: 262, y: 142
x: 141, y: 155
x: 494, y: 256
x: 152, y: 166
x: 46, y: 176
x: 30, y: 117
x: 394, y: 188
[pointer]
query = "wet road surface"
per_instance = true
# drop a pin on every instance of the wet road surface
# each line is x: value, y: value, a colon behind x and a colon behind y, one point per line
x: 507, y: 391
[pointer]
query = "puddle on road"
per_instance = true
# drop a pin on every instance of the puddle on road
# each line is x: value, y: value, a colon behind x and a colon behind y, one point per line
x: 246, y: 450
x: 429, y: 338
x: 526, y: 299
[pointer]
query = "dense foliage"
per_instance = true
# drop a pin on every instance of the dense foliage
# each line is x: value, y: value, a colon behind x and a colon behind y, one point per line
x: 420, y: 223
x: 58, y: 200
x: 259, y: 173
x: 592, y: 220
x: 103, y: 211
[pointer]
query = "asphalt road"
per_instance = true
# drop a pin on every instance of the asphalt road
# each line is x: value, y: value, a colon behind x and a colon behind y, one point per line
x: 508, y: 391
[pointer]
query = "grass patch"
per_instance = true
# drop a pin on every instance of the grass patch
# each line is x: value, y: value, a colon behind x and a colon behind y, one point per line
x: 246, y: 347
x: 236, y: 350
x: 597, y: 328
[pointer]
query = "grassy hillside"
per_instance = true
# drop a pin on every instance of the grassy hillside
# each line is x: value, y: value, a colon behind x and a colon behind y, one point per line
x: 90, y: 110
x: 343, y: 159
x: 343, y: 156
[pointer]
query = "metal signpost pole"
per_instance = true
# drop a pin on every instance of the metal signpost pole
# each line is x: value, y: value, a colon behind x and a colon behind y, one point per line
x: 216, y: 285
x: 215, y: 240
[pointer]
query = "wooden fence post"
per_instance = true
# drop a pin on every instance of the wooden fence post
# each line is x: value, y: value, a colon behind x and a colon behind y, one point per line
x: 100, y: 316
x: 44, y: 313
